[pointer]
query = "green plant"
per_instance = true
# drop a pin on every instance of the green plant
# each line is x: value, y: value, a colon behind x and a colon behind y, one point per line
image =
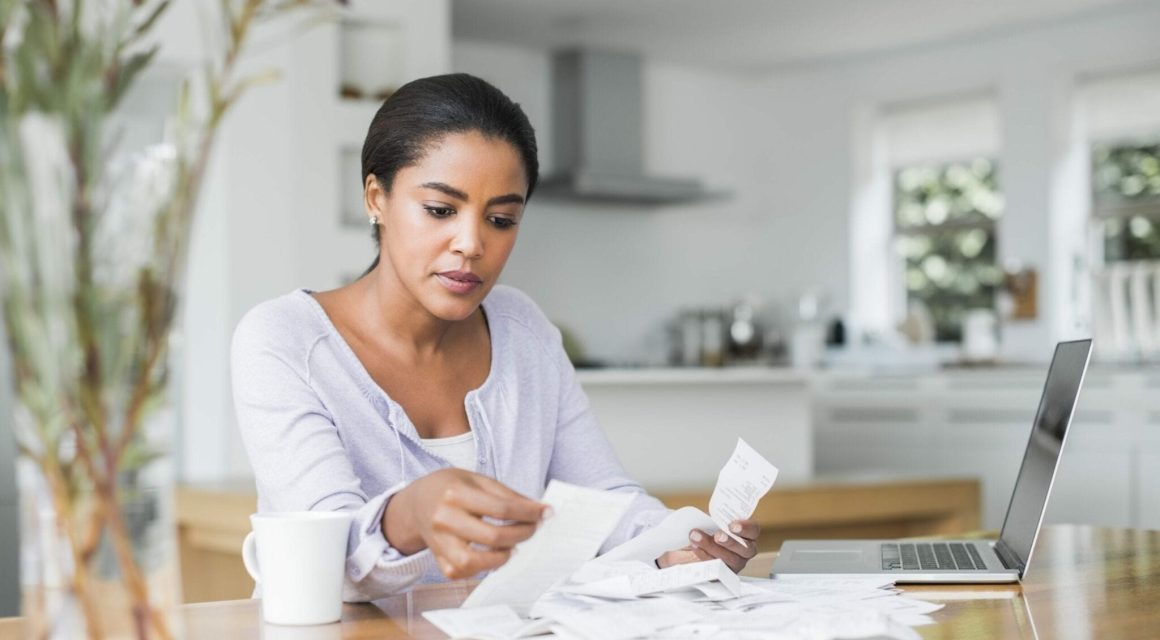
x: 92, y: 256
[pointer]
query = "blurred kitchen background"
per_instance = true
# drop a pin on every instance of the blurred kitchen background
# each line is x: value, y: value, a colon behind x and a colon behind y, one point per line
x: 850, y: 232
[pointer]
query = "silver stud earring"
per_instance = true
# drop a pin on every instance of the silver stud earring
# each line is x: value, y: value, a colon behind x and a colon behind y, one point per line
x: 374, y: 221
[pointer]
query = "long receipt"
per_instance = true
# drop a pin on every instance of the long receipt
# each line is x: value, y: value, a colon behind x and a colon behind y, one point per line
x: 742, y: 482
x: 582, y: 519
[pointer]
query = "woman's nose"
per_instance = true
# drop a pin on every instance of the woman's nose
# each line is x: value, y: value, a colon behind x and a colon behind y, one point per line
x: 468, y: 239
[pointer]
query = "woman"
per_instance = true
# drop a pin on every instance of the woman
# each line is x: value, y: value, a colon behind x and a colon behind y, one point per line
x: 421, y: 397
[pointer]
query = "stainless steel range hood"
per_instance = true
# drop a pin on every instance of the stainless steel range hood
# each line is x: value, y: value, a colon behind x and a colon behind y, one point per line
x: 597, y: 129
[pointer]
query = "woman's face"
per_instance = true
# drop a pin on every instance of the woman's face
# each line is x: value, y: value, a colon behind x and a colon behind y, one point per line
x: 449, y: 222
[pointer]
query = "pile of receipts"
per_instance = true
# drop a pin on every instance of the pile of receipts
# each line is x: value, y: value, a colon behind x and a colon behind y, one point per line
x: 740, y: 608
x: 552, y: 586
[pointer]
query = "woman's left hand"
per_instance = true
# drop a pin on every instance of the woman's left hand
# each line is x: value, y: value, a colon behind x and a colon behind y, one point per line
x: 703, y: 546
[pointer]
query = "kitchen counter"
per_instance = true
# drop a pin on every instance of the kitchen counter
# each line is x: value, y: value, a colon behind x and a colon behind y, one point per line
x: 693, y: 375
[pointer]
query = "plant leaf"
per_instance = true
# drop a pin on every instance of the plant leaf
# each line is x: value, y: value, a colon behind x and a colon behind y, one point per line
x: 126, y: 72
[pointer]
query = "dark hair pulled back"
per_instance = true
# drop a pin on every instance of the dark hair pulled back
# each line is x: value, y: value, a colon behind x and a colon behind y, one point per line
x: 422, y: 111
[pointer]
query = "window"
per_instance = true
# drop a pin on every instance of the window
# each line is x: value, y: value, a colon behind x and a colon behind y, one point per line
x: 944, y: 220
x: 1121, y: 114
x: 1126, y: 199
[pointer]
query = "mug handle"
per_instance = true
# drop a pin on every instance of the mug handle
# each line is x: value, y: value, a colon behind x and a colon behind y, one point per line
x: 250, y: 557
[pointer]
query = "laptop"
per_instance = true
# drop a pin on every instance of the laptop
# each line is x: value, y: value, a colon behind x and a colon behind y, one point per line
x: 958, y: 561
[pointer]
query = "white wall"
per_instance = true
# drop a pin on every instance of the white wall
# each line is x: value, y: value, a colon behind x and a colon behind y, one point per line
x: 615, y: 274
x: 782, y: 143
x: 1033, y: 73
x: 779, y: 142
x: 268, y: 218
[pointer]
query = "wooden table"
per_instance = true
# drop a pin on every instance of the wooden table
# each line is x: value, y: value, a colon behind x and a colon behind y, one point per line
x: 1085, y: 582
x: 213, y: 519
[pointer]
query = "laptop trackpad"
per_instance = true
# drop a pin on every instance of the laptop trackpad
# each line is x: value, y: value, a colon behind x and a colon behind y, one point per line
x: 846, y: 558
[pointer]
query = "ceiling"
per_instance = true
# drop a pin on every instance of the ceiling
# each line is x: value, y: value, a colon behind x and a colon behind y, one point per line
x: 757, y: 34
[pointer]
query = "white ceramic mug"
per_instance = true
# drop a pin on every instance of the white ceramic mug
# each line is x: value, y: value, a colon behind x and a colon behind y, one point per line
x: 300, y: 632
x: 298, y: 558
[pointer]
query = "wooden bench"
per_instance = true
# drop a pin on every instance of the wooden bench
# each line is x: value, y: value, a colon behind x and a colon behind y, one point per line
x: 212, y: 522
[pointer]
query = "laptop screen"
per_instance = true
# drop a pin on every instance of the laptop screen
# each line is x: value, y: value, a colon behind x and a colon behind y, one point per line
x: 1025, y: 513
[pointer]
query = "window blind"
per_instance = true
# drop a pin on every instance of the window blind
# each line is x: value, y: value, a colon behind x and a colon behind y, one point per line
x: 1121, y: 106
x: 935, y: 132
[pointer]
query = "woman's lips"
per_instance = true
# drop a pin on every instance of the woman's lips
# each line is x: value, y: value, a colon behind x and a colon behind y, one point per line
x: 459, y: 281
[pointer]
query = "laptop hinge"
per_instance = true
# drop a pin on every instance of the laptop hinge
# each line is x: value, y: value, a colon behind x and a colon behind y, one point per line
x: 1008, y: 557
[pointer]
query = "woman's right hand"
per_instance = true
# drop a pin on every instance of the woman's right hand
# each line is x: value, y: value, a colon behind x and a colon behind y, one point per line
x: 444, y: 511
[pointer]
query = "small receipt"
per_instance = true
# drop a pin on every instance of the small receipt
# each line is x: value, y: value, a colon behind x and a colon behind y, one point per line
x: 744, y: 479
x: 686, y: 575
x: 654, y: 581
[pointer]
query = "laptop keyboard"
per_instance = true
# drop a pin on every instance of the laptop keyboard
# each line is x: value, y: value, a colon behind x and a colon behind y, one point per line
x: 920, y: 556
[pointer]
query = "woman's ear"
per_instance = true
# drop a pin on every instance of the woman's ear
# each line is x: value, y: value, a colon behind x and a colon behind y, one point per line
x: 374, y: 198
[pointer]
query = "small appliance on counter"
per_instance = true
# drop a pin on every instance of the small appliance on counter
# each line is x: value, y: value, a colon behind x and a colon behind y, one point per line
x: 980, y: 336
x: 715, y: 336
x: 745, y: 331
x: 807, y: 343
x: 699, y: 338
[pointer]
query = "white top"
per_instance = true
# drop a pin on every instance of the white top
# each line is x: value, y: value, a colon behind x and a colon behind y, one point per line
x: 458, y: 450
x: 323, y: 436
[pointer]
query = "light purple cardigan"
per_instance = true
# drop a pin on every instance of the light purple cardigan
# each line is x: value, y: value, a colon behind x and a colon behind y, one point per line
x: 322, y: 435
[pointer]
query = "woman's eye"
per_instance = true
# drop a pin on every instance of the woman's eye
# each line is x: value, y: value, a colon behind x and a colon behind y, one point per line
x: 439, y: 212
x: 503, y: 223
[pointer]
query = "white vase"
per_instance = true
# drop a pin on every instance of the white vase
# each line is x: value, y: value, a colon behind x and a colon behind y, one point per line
x: 81, y: 578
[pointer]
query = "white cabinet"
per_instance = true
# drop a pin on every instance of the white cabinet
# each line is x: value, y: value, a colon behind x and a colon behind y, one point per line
x: 976, y: 423
x: 1147, y: 471
x: 1107, y: 471
x: 1095, y: 480
x: 940, y: 425
x: 1148, y: 487
x: 674, y: 429
x: 870, y: 430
